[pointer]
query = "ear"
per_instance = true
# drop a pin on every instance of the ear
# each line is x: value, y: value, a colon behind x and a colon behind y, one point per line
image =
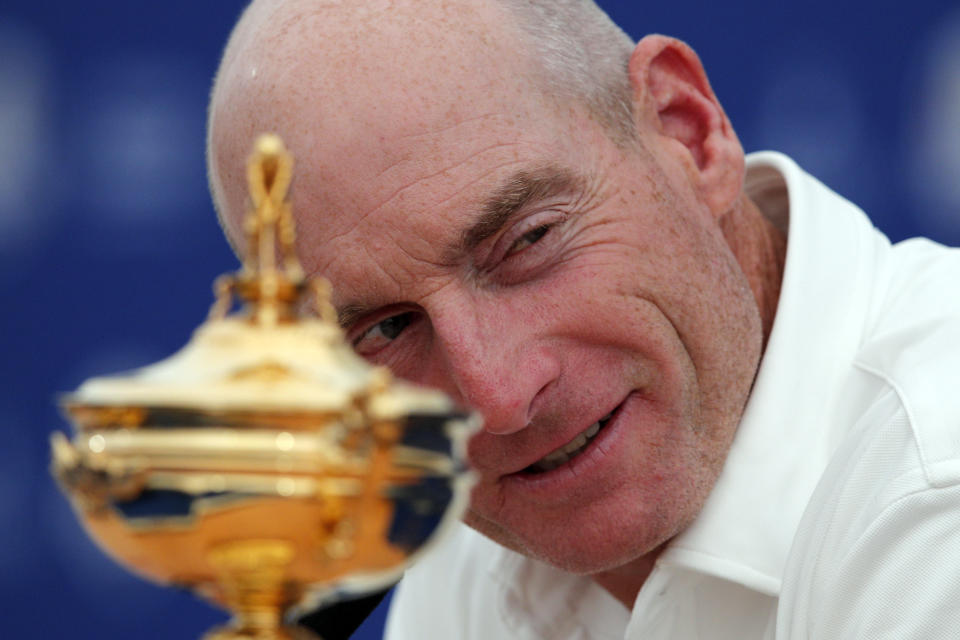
x: 672, y: 94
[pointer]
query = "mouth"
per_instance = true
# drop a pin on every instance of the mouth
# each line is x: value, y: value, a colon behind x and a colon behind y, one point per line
x: 567, y: 452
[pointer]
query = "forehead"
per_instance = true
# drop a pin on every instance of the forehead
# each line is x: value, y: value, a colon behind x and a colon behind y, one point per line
x: 401, y: 201
x: 335, y: 76
x: 406, y: 162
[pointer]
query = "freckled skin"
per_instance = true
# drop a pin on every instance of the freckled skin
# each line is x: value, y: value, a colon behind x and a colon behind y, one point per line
x: 640, y: 294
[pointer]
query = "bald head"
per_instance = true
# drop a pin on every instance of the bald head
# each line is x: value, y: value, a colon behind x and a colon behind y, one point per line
x: 317, y: 71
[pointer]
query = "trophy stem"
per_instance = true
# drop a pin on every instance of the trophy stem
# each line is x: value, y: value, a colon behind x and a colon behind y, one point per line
x: 253, y: 583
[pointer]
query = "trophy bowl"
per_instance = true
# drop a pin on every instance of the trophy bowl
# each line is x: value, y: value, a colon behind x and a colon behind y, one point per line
x: 265, y: 466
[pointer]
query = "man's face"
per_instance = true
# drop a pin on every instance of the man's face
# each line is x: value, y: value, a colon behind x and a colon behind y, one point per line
x: 489, y: 241
x: 566, y: 289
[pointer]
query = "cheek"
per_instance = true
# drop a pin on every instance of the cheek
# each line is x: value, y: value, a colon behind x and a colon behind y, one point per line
x: 622, y: 300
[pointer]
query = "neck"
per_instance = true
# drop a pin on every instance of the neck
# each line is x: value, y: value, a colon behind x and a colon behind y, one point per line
x: 761, y: 250
x: 624, y: 582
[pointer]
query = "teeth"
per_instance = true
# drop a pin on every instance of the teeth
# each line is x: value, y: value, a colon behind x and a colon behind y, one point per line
x: 556, y: 457
x: 575, y: 444
x: 550, y: 461
x: 561, y: 455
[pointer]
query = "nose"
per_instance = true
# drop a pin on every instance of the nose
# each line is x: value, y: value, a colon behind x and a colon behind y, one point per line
x: 491, y: 359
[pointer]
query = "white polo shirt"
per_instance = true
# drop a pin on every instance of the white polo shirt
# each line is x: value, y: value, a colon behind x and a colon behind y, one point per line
x: 837, y: 514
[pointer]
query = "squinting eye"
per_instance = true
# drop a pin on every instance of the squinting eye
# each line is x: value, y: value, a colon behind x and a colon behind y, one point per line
x: 381, y: 334
x: 529, y: 238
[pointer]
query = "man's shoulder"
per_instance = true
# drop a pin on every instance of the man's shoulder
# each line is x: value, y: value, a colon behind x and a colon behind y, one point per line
x: 884, y: 516
x: 892, y: 488
x: 913, y: 346
x: 896, y: 412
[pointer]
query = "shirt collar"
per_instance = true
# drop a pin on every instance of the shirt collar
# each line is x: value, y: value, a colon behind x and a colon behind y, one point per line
x: 551, y: 602
x: 786, y: 436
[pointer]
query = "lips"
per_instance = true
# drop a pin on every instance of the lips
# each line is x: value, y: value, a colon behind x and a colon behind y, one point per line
x: 566, y: 452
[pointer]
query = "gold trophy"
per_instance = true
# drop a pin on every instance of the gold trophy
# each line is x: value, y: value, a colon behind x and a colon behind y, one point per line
x: 265, y: 465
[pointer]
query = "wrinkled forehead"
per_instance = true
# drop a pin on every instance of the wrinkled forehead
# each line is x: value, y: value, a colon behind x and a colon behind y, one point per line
x: 379, y: 194
x: 380, y: 106
x: 396, y: 120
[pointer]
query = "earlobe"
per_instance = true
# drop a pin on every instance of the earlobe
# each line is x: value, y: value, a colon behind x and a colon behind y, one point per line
x: 674, y: 97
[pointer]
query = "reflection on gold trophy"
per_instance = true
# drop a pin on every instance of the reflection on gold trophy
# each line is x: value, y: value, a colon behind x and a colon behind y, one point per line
x: 265, y: 465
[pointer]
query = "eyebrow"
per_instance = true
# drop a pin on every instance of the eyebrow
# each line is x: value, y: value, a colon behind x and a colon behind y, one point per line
x: 521, y: 189
x: 347, y: 315
x: 510, y: 198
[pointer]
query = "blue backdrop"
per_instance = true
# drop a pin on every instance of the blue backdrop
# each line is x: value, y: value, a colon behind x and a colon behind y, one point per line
x: 108, y: 243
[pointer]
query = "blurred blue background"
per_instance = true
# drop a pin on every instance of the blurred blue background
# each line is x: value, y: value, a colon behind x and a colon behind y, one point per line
x: 108, y: 243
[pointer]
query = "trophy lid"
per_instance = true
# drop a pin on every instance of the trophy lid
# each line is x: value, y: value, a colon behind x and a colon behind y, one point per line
x: 269, y: 356
x: 231, y: 363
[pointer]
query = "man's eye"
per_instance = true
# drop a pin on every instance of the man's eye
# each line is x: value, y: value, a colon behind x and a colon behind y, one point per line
x: 381, y: 334
x: 529, y: 238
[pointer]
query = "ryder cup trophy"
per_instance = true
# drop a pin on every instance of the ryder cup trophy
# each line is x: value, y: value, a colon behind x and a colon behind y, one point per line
x: 265, y: 465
